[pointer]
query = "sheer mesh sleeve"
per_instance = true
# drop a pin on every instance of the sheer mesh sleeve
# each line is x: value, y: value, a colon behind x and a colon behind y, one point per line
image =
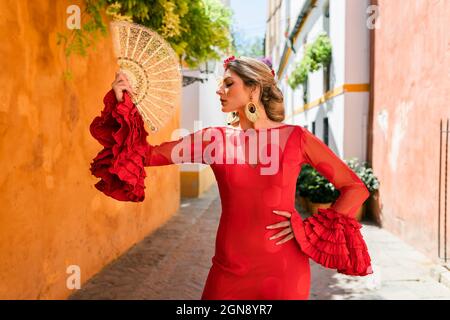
x: 332, y: 236
x: 188, y: 149
x: 352, y: 190
x: 120, y: 165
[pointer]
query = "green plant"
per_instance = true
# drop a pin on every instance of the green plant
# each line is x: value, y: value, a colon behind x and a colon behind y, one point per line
x: 321, y: 51
x: 317, y: 54
x: 318, y: 189
x: 315, y: 187
x: 300, y: 73
x: 321, y: 190
x: 365, y: 173
x: 198, y: 30
x: 78, y: 40
x: 304, y: 179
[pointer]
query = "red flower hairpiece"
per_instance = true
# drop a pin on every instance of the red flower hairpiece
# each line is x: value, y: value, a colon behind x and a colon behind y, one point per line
x: 227, y: 60
x: 273, y: 72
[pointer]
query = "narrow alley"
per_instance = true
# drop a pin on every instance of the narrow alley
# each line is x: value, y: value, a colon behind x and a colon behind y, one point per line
x: 173, y: 263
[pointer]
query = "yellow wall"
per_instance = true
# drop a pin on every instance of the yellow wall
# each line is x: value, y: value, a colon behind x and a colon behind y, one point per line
x: 51, y: 215
x: 194, y: 183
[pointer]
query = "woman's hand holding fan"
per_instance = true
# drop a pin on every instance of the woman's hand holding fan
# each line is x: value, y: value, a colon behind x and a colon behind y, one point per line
x: 151, y: 74
x: 121, y: 84
x: 152, y: 70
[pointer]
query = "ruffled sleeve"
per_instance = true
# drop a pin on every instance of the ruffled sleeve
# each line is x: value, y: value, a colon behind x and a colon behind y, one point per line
x: 120, y: 165
x: 332, y: 237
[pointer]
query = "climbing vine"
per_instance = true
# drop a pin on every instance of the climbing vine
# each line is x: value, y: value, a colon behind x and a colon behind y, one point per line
x: 317, y: 54
x: 198, y: 30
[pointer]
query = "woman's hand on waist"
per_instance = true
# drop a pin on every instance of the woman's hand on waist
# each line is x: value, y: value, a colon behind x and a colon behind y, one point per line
x: 286, y: 225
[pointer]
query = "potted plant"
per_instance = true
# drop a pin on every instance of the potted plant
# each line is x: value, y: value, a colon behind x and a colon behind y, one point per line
x: 367, y: 176
x: 316, y: 191
x: 317, y: 54
x: 321, y: 192
x: 304, y: 179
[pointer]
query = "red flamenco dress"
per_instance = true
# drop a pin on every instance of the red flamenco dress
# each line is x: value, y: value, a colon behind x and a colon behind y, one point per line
x: 246, y: 264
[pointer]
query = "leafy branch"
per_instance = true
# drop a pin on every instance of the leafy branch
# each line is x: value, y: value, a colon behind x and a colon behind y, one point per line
x: 198, y: 30
x: 316, y: 55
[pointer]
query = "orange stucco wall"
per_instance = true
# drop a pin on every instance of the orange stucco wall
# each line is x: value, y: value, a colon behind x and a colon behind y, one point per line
x: 51, y: 215
x: 410, y: 96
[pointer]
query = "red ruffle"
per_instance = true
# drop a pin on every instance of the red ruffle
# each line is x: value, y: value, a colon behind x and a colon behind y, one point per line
x: 334, y: 241
x: 120, y: 165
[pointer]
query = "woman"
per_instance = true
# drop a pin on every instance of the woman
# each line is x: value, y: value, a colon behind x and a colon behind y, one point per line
x: 263, y: 246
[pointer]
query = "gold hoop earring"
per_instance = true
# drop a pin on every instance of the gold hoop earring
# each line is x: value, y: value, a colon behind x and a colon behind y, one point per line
x: 251, y: 111
x: 232, y: 117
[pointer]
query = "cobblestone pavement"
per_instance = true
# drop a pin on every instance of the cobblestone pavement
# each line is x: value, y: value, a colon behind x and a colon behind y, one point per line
x: 400, y: 273
x: 173, y: 263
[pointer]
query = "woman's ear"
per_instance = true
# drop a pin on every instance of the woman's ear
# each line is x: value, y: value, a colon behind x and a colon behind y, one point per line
x: 256, y: 91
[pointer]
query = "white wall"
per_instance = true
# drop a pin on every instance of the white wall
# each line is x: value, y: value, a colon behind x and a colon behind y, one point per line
x: 334, y: 110
x: 201, y: 106
x: 209, y: 102
x: 338, y: 19
x: 347, y: 113
x: 356, y: 111
x: 357, y: 51
x: 357, y: 70
x: 190, y: 102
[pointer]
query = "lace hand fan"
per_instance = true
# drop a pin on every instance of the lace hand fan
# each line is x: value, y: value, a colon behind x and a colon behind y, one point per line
x: 152, y: 68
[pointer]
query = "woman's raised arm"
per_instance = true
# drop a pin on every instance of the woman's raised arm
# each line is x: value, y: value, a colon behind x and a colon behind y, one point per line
x: 120, y: 165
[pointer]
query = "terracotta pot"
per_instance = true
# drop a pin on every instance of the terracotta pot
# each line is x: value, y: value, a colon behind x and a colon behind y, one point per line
x: 361, y: 212
x: 303, y: 203
x: 314, y: 206
x: 311, y: 208
x: 374, y: 207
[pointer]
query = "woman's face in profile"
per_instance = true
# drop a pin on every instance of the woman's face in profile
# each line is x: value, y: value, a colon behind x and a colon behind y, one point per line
x: 232, y: 93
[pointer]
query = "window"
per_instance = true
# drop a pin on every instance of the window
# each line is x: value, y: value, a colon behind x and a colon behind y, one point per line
x: 313, y: 127
x: 305, y: 92
x: 326, y: 78
x: 325, y: 130
x: 326, y: 18
x: 326, y: 28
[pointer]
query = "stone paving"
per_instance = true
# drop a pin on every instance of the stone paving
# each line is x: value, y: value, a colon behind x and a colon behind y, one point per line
x: 173, y: 263
x: 400, y: 273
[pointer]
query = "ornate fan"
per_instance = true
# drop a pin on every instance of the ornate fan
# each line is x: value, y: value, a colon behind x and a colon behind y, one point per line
x: 152, y: 68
